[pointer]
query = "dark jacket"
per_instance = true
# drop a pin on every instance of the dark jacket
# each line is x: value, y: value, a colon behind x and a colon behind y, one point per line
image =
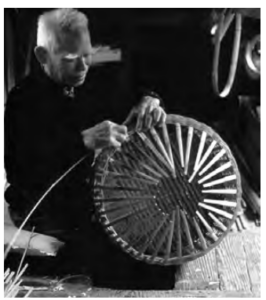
x: 43, y: 139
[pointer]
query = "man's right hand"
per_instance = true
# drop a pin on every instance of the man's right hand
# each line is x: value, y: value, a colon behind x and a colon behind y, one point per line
x: 104, y: 135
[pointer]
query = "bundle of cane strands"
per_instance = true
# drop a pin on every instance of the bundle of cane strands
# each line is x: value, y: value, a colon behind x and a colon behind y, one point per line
x: 170, y: 194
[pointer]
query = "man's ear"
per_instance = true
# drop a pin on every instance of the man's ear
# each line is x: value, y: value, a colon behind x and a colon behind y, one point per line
x: 41, y: 54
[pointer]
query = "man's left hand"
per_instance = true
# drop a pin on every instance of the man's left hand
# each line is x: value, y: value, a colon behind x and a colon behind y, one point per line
x: 148, y: 113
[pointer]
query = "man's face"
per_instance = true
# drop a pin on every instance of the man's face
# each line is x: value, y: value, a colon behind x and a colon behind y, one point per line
x: 69, y: 63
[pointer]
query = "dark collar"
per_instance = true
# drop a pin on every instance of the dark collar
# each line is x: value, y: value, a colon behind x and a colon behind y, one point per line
x: 51, y: 85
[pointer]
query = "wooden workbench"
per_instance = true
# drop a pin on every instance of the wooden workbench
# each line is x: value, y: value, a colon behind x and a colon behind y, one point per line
x: 230, y: 270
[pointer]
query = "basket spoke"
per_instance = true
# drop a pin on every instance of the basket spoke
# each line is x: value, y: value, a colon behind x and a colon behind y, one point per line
x: 178, y: 231
x: 170, y: 238
x: 143, y: 164
x: 160, y: 243
x: 221, y: 202
x: 187, y: 230
x: 152, y: 161
x: 154, y: 150
x: 215, y: 172
x: 207, y: 226
x: 216, y: 210
x: 137, y: 172
x: 104, y: 211
x: 125, y: 216
x: 180, y: 143
x: 225, y: 191
x: 161, y: 147
x: 131, y: 177
x: 201, y: 147
x: 213, y: 161
x: 204, y: 158
x: 117, y: 188
x: 220, y: 180
x: 121, y: 199
x: 153, y: 235
x: 188, y: 148
x: 168, y: 145
x: 200, y: 234
x: 217, y: 222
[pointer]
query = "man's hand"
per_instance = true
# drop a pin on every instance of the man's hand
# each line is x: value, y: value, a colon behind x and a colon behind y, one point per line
x: 148, y: 113
x: 104, y: 135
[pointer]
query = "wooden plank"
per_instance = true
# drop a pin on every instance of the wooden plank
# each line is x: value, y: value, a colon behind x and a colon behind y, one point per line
x: 231, y: 262
x: 233, y: 266
x: 104, y: 293
x: 200, y: 274
x: 251, y: 242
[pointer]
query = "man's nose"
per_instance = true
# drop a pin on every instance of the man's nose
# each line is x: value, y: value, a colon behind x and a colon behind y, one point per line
x: 81, y: 64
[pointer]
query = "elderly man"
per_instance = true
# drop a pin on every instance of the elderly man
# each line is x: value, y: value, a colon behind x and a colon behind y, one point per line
x: 50, y: 123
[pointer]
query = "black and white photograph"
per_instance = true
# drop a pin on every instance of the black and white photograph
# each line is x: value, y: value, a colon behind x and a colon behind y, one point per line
x: 132, y: 152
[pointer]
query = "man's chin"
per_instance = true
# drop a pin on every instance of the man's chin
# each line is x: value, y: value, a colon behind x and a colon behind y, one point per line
x: 78, y: 82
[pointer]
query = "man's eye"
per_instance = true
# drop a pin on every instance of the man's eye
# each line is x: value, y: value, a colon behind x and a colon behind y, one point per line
x: 86, y: 55
x: 68, y: 60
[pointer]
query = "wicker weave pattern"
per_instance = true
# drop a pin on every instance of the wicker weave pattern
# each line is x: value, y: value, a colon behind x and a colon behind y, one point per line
x: 170, y: 194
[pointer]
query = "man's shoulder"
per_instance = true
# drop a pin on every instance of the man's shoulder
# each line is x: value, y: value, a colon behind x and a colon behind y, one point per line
x: 24, y: 86
x: 24, y: 93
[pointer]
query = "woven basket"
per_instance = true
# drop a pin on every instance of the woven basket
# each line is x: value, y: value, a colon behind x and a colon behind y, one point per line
x: 170, y: 194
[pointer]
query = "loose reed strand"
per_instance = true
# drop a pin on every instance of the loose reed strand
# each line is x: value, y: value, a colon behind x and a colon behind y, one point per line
x: 39, y: 202
x: 25, y: 251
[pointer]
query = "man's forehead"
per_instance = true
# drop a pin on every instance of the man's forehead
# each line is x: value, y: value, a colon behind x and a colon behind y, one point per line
x: 74, y: 43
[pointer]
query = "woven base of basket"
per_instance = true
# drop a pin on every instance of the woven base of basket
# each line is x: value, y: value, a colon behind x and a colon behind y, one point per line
x: 170, y: 194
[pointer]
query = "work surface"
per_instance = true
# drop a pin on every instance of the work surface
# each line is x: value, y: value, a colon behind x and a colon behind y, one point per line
x: 230, y: 270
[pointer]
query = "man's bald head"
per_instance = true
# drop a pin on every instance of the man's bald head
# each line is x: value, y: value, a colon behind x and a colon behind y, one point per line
x: 64, y: 46
x: 57, y: 25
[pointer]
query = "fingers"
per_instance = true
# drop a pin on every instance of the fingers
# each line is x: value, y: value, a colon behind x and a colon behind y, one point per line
x: 140, y: 117
x: 156, y: 117
x: 130, y: 117
x: 159, y: 116
x: 104, y: 135
x: 151, y: 113
x: 121, y: 129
